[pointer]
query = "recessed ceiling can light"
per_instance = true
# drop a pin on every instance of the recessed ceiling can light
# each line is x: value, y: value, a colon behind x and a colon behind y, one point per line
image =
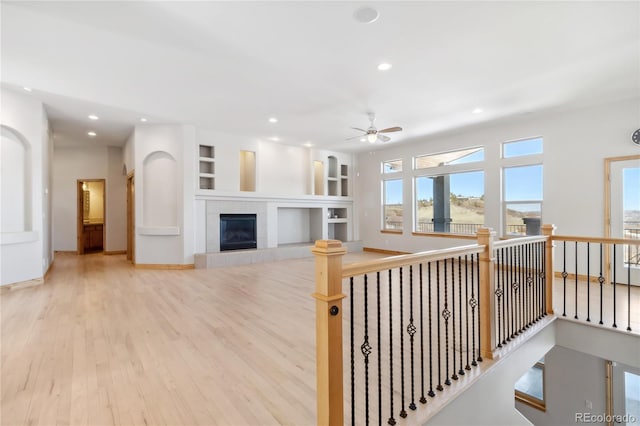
x: 366, y: 15
x: 92, y: 134
x: 274, y: 138
x: 273, y: 120
x: 384, y: 66
x: 477, y: 111
x: 93, y: 117
x: 308, y: 144
x: 143, y: 119
x: 28, y: 89
x: 363, y: 139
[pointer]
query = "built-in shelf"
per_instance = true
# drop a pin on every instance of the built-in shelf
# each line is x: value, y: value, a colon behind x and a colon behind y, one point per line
x: 206, y: 167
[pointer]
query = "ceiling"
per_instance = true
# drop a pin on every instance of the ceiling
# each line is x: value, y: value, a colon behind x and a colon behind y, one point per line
x: 230, y: 66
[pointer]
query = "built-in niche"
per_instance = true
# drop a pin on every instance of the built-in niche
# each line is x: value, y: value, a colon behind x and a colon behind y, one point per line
x: 206, y: 167
x: 247, y: 171
x: 318, y: 178
x: 15, y: 180
x: 332, y: 175
x: 160, y: 190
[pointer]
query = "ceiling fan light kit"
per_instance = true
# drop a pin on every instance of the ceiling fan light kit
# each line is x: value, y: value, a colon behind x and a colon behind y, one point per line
x: 372, y: 134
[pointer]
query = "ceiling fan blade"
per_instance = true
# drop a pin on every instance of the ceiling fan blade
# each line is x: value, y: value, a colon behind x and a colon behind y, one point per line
x: 390, y: 129
x: 383, y: 138
x: 362, y: 130
x: 355, y: 137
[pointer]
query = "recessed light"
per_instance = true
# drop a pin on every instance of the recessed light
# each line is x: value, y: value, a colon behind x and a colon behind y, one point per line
x: 93, y: 117
x: 143, y: 119
x: 384, y: 66
x: 366, y: 15
x: 28, y: 89
x: 273, y: 120
x: 274, y: 138
x: 363, y: 139
x: 308, y: 144
x: 477, y: 111
x: 92, y: 134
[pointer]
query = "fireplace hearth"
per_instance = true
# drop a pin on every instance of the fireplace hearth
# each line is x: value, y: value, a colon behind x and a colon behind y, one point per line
x: 237, y: 231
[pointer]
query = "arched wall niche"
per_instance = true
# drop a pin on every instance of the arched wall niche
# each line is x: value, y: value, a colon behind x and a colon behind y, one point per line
x: 160, y: 190
x: 15, y: 181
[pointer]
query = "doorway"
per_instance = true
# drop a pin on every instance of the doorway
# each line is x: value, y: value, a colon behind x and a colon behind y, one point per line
x: 622, y: 215
x: 131, y: 218
x: 91, y: 217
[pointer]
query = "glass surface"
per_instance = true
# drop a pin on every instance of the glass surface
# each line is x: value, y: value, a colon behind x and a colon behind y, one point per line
x: 463, y: 156
x: 392, y: 207
x: 392, y: 166
x: 523, y: 147
x: 532, y: 383
x: 523, y: 183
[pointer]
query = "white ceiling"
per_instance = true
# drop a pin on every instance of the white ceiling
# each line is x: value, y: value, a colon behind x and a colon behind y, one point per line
x: 229, y: 66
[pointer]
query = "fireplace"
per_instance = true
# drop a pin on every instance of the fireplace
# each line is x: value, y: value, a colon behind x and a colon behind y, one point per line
x: 237, y: 231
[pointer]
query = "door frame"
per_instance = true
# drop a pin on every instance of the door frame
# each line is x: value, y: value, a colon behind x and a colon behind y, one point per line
x: 80, y: 211
x: 131, y: 218
x: 607, y: 208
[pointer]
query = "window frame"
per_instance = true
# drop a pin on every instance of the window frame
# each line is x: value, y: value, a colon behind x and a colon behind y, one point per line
x: 383, y: 192
x: 530, y: 400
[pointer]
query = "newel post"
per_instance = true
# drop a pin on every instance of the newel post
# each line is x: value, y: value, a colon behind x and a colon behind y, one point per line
x: 328, y: 295
x: 486, y: 303
x: 548, y: 231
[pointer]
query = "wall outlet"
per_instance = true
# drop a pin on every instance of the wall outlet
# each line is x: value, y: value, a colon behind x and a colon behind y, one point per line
x: 588, y: 404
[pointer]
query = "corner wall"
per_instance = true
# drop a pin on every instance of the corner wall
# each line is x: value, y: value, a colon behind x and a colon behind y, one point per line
x: 26, y: 255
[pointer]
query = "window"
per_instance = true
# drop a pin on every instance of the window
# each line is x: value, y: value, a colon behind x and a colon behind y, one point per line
x: 392, y: 166
x: 450, y: 203
x: 522, y: 147
x: 522, y: 199
x: 463, y: 156
x: 529, y: 388
x: 392, y: 204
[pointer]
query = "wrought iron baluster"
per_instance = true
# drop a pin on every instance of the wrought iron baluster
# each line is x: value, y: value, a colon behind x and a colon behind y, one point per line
x: 505, y: 294
x: 601, y: 281
x: 576, y: 283
x: 498, y: 293
x: 403, y: 412
x: 454, y: 376
x: 391, y: 421
x: 527, y: 285
x: 466, y: 305
x: 431, y: 392
x: 411, y: 330
x: 379, y: 349
x: 422, y: 397
x: 543, y: 278
x: 516, y: 298
x: 473, y: 302
x: 353, y: 379
x: 564, y: 278
x: 588, y: 283
x: 439, y: 387
x: 365, y: 348
x: 509, y: 294
x: 615, y: 284
x: 446, y: 314
x: 479, y: 307
x: 629, y: 290
x: 461, y: 371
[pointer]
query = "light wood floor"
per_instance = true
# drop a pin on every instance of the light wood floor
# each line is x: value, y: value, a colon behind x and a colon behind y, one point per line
x: 103, y: 343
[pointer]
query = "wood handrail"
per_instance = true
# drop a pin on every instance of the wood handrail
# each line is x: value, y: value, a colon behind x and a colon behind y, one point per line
x: 512, y: 242
x: 386, y: 263
x: 596, y: 240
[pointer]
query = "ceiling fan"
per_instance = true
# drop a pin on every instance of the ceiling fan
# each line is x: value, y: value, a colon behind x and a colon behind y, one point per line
x: 372, y: 134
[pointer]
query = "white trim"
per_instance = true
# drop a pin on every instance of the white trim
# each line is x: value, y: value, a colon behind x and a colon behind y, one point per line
x: 7, y: 238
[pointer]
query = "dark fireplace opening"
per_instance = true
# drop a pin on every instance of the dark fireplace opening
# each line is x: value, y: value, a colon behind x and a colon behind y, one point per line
x: 237, y: 231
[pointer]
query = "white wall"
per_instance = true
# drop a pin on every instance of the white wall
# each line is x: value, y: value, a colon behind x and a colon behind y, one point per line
x: 155, y: 147
x: 71, y: 164
x: 27, y: 256
x: 575, y: 145
x: 571, y: 379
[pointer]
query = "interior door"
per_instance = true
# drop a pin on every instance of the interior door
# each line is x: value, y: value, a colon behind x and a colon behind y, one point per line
x: 80, y: 217
x: 625, y: 218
